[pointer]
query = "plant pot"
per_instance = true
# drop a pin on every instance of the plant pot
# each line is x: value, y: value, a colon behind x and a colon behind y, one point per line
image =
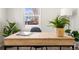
x: 60, y: 32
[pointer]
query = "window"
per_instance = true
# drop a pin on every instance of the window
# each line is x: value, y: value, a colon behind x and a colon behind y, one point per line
x: 32, y: 16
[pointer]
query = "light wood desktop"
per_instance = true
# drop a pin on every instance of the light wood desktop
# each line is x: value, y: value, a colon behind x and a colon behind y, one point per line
x: 39, y: 39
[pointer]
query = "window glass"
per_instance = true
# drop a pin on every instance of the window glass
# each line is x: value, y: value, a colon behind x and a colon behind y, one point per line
x: 31, y: 16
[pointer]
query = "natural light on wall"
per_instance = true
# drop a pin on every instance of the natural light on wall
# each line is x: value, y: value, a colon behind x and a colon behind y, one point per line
x: 66, y: 12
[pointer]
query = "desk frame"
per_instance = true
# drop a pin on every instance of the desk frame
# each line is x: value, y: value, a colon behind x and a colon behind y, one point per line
x: 39, y: 39
x: 60, y: 46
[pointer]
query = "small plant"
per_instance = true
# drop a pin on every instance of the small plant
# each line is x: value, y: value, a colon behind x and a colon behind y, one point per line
x: 68, y: 30
x: 75, y: 34
x: 77, y: 38
x: 60, y: 22
x: 9, y: 29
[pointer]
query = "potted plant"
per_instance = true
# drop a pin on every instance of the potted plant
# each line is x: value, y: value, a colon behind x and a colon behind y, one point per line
x: 60, y: 22
x: 10, y: 28
x: 75, y: 34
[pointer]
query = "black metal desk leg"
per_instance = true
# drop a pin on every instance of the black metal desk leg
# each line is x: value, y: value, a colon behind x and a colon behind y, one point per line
x: 41, y: 48
x: 72, y: 47
x: 30, y: 48
x: 17, y: 48
x: 60, y: 47
x: 46, y: 48
x: 35, y: 48
x: 5, y: 47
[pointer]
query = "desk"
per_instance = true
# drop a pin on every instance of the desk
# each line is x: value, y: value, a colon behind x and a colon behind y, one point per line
x: 39, y: 39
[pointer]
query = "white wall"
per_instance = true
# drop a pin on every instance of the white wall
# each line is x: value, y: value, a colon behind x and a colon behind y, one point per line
x: 2, y: 18
x: 74, y: 20
x: 16, y: 14
x: 47, y: 14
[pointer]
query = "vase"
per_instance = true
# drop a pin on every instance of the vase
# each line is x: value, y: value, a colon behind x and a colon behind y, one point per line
x: 60, y: 32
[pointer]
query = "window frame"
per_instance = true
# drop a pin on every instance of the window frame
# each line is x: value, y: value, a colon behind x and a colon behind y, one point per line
x: 39, y: 19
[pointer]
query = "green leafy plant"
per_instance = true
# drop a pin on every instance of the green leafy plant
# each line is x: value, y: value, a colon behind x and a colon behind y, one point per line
x: 68, y: 30
x: 75, y: 34
x: 9, y: 29
x: 77, y: 38
x: 60, y: 22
